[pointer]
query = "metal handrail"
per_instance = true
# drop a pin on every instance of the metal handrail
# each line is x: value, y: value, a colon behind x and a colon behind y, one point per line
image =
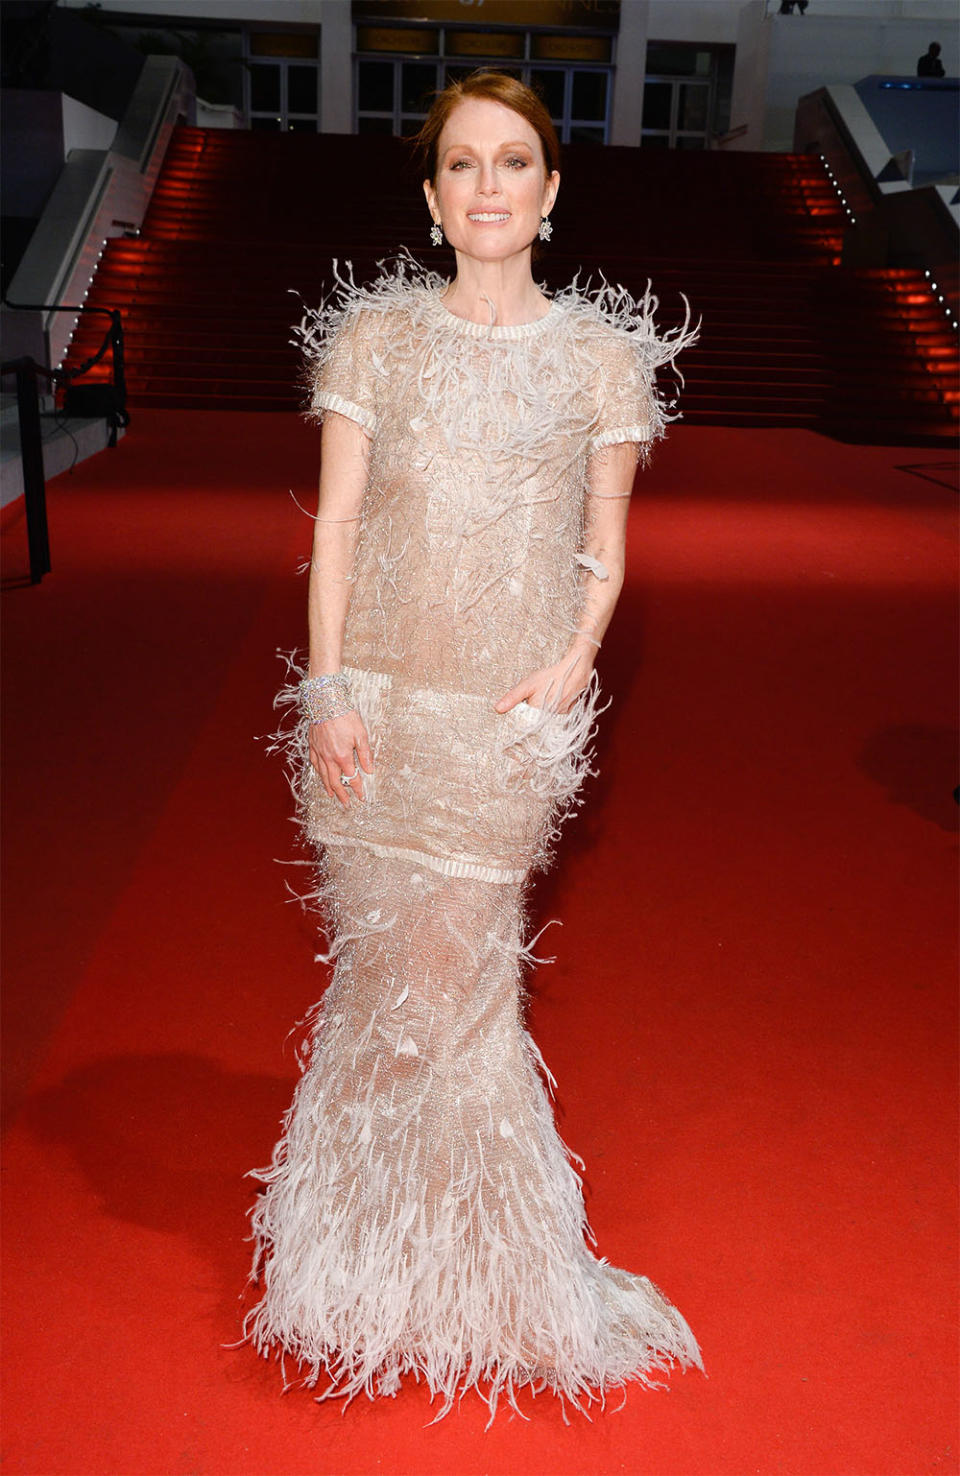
x: 27, y: 371
x: 114, y: 338
x: 12, y: 366
x: 55, y: 307
x: 31, y: 459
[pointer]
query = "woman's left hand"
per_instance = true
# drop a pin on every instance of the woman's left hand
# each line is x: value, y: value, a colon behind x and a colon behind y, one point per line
x: 556, y: 687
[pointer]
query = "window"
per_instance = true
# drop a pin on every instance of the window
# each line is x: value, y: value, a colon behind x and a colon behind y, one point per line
x: 686, y: 94
x: 399, y: 68
x: 283, y: 81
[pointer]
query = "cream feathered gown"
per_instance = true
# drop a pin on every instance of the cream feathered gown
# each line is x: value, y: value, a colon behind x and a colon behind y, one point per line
x: 421, y: 1213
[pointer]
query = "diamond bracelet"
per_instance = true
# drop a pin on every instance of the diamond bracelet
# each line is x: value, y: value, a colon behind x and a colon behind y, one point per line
x: 325, y: 697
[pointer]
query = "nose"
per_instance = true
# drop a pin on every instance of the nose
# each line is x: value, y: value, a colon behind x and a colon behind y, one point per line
x: 488, y: 184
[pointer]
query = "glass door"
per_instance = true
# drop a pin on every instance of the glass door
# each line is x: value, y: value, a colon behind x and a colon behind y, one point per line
x: 282, y: 82
x: 676, y: 113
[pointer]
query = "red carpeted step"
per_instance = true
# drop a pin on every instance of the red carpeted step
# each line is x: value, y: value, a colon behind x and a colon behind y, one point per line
x: 231, y: 230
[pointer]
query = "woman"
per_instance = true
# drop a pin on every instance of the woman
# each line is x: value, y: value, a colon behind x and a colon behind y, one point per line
x: 479, y: 447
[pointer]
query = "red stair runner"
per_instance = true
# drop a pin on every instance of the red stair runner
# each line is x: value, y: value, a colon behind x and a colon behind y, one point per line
x: 240, y: 220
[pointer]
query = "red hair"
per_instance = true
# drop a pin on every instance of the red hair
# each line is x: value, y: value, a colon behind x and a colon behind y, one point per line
x: 497, y: 87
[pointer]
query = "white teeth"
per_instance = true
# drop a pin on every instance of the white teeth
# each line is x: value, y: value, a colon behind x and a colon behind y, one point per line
x: 504, y: 215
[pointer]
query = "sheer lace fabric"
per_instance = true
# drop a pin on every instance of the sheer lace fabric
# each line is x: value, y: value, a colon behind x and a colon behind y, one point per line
x: 421, y: 1214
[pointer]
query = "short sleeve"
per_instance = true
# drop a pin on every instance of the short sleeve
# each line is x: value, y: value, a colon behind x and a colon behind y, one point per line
x: 627, y: 408
x: 342, y: 376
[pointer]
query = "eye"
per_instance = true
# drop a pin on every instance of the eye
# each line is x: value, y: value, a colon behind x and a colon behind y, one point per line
x: 460, y: 164
x: 515, y: 162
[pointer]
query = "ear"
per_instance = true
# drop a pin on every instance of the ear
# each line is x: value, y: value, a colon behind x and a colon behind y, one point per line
x: 550, y: 192
x: 431, y: 196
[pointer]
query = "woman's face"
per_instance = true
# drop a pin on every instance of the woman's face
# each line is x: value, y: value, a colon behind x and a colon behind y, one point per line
x: 492, y: 185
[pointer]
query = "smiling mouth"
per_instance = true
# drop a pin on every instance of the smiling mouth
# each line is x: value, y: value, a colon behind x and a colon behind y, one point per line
x: 489, y: 217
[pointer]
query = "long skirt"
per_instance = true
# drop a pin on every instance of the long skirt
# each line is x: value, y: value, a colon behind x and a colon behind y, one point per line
x: 421, y: 1215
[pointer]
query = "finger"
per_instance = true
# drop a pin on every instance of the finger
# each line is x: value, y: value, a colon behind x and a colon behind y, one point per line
x: 573, y: 697
x: 363, y: 753
x: 351, y: 781
x: 551, y: 695
x: 515, y: 695
x: 337, y: 790
x: 566, y: 697
x: 324, y: 773
x: 333, y: 779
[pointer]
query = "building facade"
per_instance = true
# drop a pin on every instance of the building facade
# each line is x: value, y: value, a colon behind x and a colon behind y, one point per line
x: 686, y: 74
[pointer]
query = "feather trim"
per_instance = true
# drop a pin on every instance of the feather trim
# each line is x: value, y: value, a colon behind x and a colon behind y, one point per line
x: 591, y: 321
x: 421, y: 1214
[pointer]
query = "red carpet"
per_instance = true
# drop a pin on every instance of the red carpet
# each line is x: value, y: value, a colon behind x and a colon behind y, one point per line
x: 751, y: 1015
x: 793, y: 337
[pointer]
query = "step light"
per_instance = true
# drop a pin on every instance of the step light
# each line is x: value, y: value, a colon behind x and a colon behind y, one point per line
x: 935, y: 289
x: 839, y: 192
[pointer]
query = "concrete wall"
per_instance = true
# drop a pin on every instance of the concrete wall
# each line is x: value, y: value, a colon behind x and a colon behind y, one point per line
x: 921, y: 119
x: 817, y: 50
x: 779, y: 58
x: 336, y: 67
x: 218, y: 115
x: 84, y: 61
x: 39, y: 130
x: 942, y: 11
x: 710, y: 21
x: 32, y: 156
x: 99, y: 193
x: 332, y: 16
x: 85, y: 128
x: 282, y: 12
x: 626, y: 112
x: 749, y: 102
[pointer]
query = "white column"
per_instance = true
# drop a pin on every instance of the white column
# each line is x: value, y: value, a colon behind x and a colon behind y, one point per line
x: 748, y: 104
x: 626, y: 120
x: 336, y: 67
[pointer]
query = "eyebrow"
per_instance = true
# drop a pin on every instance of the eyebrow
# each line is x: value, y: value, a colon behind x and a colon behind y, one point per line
x: 518, y: 144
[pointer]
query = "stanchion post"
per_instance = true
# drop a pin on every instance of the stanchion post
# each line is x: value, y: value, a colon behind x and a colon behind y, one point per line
x: 34, y: 481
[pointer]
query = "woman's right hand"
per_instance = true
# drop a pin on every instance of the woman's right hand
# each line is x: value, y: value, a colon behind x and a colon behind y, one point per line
x: 338, y: 747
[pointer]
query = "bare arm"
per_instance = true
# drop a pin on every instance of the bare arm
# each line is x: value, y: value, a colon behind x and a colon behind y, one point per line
x: 344, y: 469
x: 610, y: 481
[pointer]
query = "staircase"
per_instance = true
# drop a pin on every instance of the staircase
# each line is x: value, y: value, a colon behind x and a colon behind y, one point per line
x: 238, y: 221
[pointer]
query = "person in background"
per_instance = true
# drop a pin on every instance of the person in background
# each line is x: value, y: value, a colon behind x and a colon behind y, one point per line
x: 930, y: 65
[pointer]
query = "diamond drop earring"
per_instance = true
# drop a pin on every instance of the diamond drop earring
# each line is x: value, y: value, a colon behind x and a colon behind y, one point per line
x: 546, y: 229
x: 436, y: 234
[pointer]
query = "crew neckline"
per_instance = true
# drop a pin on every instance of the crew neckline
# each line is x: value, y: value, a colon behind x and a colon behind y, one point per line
x: 494, y: 330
